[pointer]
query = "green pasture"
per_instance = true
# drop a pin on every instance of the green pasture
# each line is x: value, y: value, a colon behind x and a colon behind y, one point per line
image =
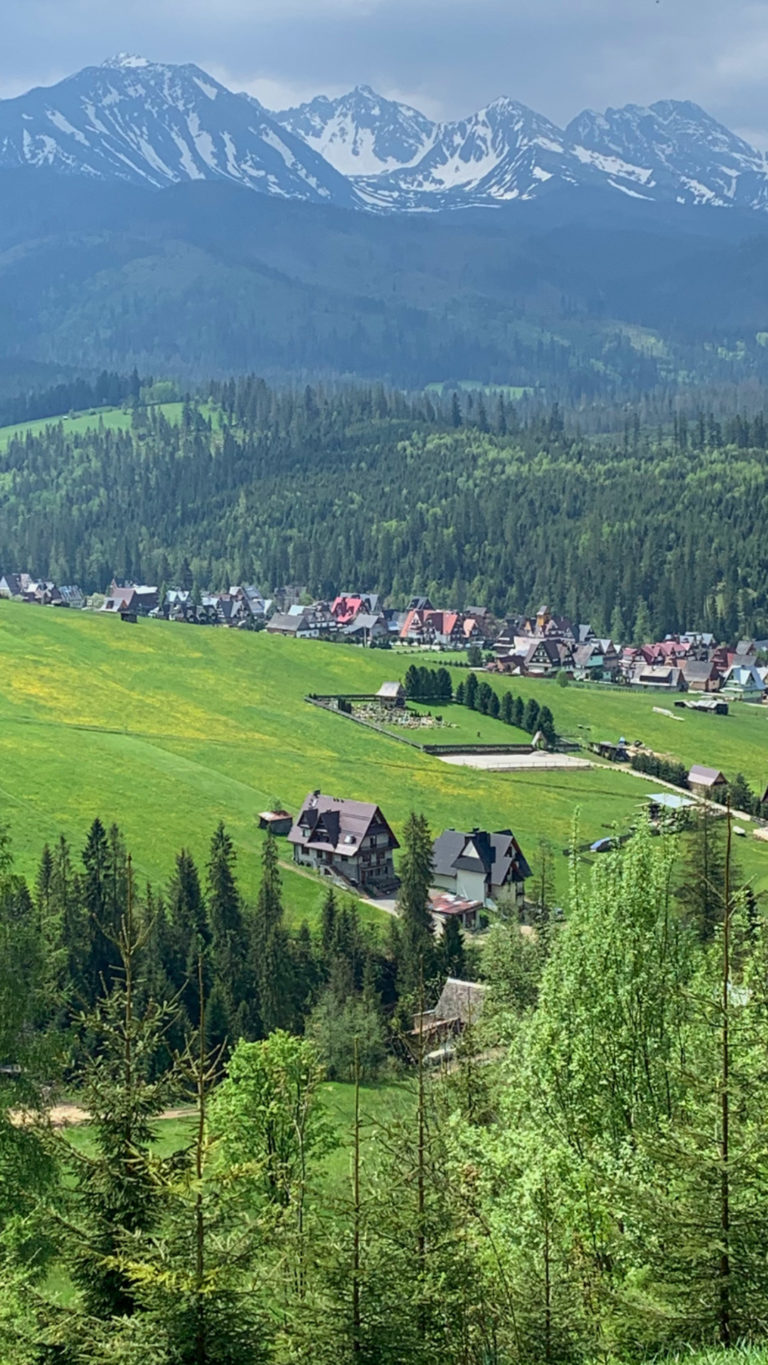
x: 167, y: 729
x: 114, y: 419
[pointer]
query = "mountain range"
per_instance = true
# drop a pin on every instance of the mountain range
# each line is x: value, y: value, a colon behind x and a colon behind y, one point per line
x: 588, y: 262
x: 154, y: 124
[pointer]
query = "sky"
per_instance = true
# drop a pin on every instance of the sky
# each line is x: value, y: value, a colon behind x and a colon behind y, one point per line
x: 448, y: 57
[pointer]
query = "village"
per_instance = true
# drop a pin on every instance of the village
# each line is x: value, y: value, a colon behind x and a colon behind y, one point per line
x: 544, y: 645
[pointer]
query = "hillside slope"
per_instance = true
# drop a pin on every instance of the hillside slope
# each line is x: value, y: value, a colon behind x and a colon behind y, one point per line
x: 135, y: 724
x: 206, y: 278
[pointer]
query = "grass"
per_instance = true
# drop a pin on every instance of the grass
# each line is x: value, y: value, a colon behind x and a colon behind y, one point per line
x: 379, y: 1104
x: 166, y: 729
x: 460, y: 726
x: 114, y: 419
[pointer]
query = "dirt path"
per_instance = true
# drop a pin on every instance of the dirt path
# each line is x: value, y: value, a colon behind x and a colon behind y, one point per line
x: 68, y: 1115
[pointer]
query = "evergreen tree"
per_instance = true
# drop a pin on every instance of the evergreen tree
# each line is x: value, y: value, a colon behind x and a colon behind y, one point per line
x: 115, y: 1194
x: 190, y: 934
x: 470, y: 691
x: 546, y: 723
x: 702, y: 889
x: 271, y: 965
x: 416, y: 946
x: 531, y: 716
x: 229, y: 944
x: 451, y: 949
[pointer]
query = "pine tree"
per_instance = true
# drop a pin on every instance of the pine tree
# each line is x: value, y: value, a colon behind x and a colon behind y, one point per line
x: 531, y: 716
x: 702, y: 890
x: 416, y: 947
x: 271, y: 961
x: 470, y: 691
x: 451, y: 949
x: 229, y: 945
x: 193, y: 1274
x: 115, y: 1193
x: 189, y: 934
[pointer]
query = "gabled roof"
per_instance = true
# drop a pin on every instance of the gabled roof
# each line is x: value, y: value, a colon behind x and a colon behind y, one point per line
x: 496, y: 856
x: 700, y: 776
x: 461, y: 1000
x: 391, y: 689
x: 336, y: 825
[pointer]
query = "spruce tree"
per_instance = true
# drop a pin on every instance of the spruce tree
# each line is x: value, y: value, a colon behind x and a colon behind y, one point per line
x: 115, y: 1193
x: 416, y: 947
x: 271, y: 960
x: 229, y: 944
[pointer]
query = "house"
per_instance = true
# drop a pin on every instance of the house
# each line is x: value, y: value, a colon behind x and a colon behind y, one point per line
x: 286, y: 623
x: 71, y: 596
x: 446, y: 907
x: 138, y: 597
x: 666, y: 676
x: 544, y: 657
x: 279, y: 822
x: 743, y: 682
x: 479, y: 866
x: 11, y: 584
x: 706, y: 781
x: 366, y: 627
x: 595, y: 661
x: 391, y: 694
x: 701, y: 676
x: 351, y: 838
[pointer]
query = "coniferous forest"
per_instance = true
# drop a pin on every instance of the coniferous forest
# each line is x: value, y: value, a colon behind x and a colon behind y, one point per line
x: 582, y: 1176
x: 468, y: 497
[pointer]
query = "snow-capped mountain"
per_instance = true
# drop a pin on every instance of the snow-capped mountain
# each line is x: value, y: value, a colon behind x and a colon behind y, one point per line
x: 672, y: 150
x: 154, y: 125
x: 505, y: 151
x: 361, y: 133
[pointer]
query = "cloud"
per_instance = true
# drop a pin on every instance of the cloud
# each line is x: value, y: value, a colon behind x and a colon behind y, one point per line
x: 449, y: 56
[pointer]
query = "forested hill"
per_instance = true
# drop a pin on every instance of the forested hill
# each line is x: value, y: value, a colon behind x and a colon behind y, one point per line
x: 366, y: 488
x: 578, y: 294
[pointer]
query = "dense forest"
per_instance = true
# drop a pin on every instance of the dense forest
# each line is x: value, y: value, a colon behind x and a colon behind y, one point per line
x: 586, y: 1178
x: 461, y: 496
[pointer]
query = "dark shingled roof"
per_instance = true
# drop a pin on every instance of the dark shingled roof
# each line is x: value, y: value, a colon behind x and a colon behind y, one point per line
x: 496, y: 855
x: 336, y: 825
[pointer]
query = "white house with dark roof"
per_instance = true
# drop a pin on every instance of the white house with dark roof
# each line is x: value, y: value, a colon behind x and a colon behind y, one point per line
x: 479, y: 866
x: 348, y: 837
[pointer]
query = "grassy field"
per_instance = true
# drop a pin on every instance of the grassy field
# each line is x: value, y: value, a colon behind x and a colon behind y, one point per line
x: 114, y: 419
x: 166, y: 729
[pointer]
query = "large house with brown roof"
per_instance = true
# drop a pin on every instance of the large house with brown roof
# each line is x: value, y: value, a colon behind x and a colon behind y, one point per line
x: 350, y: 838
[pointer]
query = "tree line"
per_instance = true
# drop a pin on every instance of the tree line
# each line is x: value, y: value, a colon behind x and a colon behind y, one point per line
x: 331, y: 486
x: 435, y: 684
x: 587, y: 1178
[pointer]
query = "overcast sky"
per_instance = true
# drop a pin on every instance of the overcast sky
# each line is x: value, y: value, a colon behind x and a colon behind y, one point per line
x: 449, y: 57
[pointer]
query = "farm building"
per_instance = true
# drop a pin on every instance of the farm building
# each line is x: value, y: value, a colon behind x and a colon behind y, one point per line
x: 279, y: 822
x: 391, y: 694
x: 705, y: 781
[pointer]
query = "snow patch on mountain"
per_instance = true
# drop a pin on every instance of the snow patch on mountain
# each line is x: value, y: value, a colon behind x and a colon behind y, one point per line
x: 361, y: 133
x: 155, y: 124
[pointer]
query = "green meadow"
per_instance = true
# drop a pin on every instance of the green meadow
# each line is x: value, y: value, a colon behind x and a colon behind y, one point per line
x: 74, y: 424
x: 167, y: 729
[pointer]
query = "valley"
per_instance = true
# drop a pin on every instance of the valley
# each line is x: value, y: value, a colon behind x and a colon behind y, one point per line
x: 168, y: 729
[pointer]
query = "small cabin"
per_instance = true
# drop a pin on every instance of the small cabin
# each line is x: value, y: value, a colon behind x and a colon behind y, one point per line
x: 391, y: 694
x: 278, y: 822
